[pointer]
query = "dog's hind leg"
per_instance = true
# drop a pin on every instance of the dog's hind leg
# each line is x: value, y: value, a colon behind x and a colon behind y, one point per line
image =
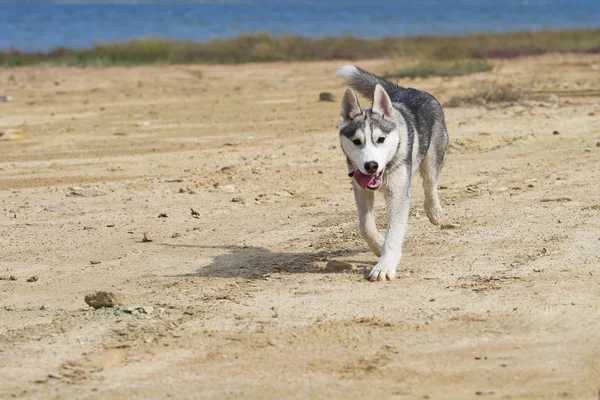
x: 365, y: 202
x: 430, y: 169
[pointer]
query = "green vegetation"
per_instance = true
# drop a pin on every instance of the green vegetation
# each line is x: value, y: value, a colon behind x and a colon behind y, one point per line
x: 442, y: 68
x: 262, y: 47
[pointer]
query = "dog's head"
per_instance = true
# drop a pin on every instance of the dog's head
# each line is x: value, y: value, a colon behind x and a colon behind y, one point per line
x: 369, y: 137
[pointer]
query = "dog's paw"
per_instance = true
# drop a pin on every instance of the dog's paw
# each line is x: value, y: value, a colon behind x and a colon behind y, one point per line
x: 434, y: 213
x: 382, y: 272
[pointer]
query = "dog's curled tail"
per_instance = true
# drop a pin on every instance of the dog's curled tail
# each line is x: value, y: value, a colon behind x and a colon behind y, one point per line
x: 363, y: 81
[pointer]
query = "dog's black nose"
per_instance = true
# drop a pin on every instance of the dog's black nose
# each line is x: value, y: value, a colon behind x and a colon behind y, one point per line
x: 371, y: 167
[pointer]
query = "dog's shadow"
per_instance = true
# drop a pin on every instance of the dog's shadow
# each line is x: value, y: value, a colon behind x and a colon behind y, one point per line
x: 259, y: 263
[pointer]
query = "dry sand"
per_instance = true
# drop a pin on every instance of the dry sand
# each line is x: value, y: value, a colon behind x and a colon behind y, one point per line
x: 242, y: 299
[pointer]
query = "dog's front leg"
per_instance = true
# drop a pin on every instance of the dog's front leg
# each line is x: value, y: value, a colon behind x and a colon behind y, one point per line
x: 365, y: 200
x: 397, y: 197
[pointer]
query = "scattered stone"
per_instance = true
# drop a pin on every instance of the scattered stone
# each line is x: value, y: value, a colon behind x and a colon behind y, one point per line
x: 110, y: 225
x: 231, y: 144
x: 147, y: 309
x: 195, y: 213
x: 174, y: 180
x: 102, y: 299
x: 146, y: 239
x: 120, y: 134
x: 237, y: 200
x: 11, y: 134
x: 228, y: 188
x: 338, y: 266
x: 94, y: 262
x: 450, y: 226
x: 307, y: 204
x: 175, y: 235
x: 556, y: 133
x: 556, y: 199
x: 32, y: 278
x: 597, y: 144
x: 162, y: 215
x: 326, y: 96
x: 8, y: 278
x: 46, y: 307
x: 78, y: 192
x: 6, y: 99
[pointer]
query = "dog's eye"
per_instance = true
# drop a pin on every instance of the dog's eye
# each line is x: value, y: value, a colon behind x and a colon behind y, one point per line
x: 357, y: 142
x: 381, y: 139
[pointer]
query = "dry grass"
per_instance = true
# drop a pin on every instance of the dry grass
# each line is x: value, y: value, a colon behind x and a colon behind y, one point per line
x: 488, y: 94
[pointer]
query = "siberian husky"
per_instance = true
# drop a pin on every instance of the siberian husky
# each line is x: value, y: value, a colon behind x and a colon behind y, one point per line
x: 402, y: 134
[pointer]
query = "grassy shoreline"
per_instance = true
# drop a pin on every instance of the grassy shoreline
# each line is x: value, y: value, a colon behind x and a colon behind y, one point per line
x: 265, y: 48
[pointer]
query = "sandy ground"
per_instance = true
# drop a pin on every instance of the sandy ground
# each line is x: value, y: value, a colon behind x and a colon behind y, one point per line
x: 242, y: 299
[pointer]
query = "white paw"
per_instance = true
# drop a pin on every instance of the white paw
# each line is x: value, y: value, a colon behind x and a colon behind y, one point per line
x: 434, y: 213
x: 382, y: 271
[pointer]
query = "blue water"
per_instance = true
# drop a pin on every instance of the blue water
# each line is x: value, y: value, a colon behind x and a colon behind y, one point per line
x: 40, y: 25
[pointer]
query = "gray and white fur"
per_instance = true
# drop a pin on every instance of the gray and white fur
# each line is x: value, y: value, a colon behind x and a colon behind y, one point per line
x: 402, y: 134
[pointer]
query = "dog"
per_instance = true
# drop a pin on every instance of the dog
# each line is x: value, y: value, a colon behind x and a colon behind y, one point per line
x: 402, y: 134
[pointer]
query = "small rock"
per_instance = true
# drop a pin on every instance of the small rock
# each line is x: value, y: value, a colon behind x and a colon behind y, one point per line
x: 85, y: 193
x: 46, y: 307
x: 237, y: 200
x: 556, y: 133
x: 102, y: 299
x: 195, y: 213
x: 556, y: 199
x: 32, y: 279
x: 450, y: 226
x: 162, y: 215
x: 94, y: 262
x: 8, y: 278
x: 228, y: 188
x: 11, y: 134
x: 338, y: 266
x: 597, y: 144
x: 231, y: 144
x: 6, y: 99
x: 326, y: 96
x: 307, y: 204
x: 110, y: 225
x: 146, y: 239
x: 175, y: 235
x: 147, y: 309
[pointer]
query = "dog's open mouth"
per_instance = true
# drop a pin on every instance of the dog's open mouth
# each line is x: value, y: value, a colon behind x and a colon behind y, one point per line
x: 372, y: 182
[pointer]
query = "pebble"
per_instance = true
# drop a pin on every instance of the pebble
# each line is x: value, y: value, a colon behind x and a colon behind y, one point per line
x: 102, y: 299
x: 326, y: 96
x: 556, y: 133
x: 450, y: 226
x: 11, y: 134
x: 556, y: 199
x: 32, y: 279
x: 175, y: 235
x: 146, y: 239
x: 85, y: 193
x: 338, y: 266
x: 6, y: 99
x: 46, y: 307
x: 237, y: 200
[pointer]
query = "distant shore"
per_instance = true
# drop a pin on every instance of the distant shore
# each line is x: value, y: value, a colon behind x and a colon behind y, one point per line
x: 262, y: 47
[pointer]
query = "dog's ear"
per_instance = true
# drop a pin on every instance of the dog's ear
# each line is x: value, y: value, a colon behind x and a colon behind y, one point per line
x: 382, y: 104
x: 350, y: 107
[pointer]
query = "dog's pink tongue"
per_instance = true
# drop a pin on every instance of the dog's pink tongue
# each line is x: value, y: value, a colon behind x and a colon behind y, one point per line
x: 362, y: 179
